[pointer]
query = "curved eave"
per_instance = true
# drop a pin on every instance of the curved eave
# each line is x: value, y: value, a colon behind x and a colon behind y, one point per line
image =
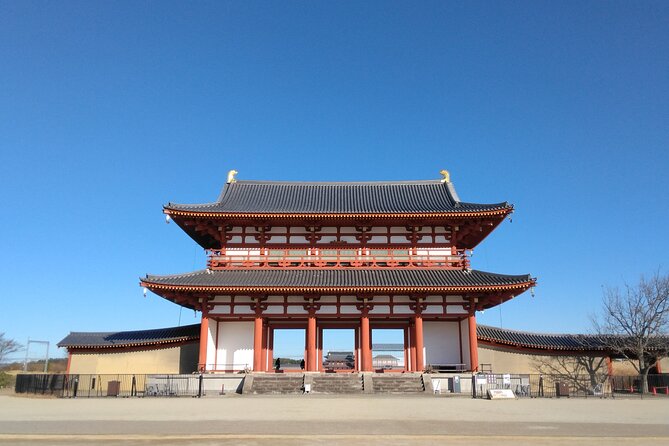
x: 533, y: 347
x: 503, y: 211
x: 129, y: 344
x: 523, y: 286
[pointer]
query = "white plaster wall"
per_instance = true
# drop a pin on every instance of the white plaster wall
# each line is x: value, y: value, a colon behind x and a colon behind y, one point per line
x: 441, y: 342
x: 464, y: 328
x: 211, y: 345
x: 235, y: 345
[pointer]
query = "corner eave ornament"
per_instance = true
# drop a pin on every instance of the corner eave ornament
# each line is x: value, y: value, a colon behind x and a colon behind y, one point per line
x: 446, y: 176
x: 231, y: 176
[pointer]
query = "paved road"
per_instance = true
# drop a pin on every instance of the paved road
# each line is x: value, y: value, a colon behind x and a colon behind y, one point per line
x: 312, y: 419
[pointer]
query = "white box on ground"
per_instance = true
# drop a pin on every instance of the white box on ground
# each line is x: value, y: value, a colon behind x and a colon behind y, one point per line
x: 500, y: 394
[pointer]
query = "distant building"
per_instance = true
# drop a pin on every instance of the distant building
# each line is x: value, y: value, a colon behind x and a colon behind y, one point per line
x: 339, y: 361
x: 385, y: 362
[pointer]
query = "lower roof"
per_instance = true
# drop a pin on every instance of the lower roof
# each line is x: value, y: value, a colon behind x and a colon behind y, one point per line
x: 485, y: 333
x: 523, y: 339
x: 118, y: 339
x: 339, y: 280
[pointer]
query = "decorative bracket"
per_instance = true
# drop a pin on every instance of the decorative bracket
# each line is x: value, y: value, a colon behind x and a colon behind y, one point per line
x: 418, y: 305
x: 259, y: 304
x: 364, y: 305
x: 312, y: 305
x: 263, y: 228
x: 364, y: 236
x: 313, y: 235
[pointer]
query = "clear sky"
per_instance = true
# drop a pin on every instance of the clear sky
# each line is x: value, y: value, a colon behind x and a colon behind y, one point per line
x: 108, y: 110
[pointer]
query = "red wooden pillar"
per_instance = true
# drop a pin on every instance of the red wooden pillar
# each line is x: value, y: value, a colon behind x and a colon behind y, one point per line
x: 311, y: 343
x: 412, y: 346
x: 473, y: 341
x: 204, y: 341
x: 319, y: 350
x: 69, y: 362
x: 407, y: 365
x: 365, y: 343
x: 420, y: 362
x: 270, y: 348
x: 257, y: 343
x: 263, y: 356
x: 609, y: 366
x: 357, y: 358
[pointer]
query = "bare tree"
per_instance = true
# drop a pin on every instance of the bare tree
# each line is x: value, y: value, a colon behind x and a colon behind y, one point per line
x: 583, y: 372
x: 634, y: 323
x: 7, y: 347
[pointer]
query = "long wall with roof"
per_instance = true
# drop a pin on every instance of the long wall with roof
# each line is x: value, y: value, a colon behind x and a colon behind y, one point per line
x: 179, y: 359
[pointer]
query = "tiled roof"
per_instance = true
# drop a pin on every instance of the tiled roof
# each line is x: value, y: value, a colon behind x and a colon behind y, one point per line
x: 405, y: 197
x: 131, y: 338
x: 387, y: 347
x: 322, y: 278
x: 525, y: 339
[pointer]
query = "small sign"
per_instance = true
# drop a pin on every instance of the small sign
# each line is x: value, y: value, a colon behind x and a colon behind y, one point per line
x: 481, y: 380
x: 506, y: 379
x: 501, y: 394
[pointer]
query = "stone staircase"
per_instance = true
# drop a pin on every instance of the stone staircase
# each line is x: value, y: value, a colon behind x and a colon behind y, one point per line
x: 337, y: 383
x: 290, y: 383
x: 396, y: 383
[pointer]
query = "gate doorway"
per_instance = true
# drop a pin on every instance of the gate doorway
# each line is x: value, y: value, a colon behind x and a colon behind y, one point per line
x: 288, y: 348
x: 388, y: 349
x: 338, y: 350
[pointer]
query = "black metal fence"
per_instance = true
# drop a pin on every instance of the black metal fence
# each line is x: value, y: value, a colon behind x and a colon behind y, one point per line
x: 522, y: 385
x: 88, y: 386
x: 552, y: 386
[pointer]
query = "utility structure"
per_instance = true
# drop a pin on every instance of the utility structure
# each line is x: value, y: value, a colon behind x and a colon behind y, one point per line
x: 326, y: 255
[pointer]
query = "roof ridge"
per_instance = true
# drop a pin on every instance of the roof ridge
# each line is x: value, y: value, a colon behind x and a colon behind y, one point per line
x: 511, y: 330
x: 340, y: 183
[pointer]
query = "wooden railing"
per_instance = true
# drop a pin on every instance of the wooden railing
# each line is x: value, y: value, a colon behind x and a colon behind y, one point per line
x: 335, y: 259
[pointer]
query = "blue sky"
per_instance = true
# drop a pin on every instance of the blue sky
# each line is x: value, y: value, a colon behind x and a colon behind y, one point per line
x: 108, y: 110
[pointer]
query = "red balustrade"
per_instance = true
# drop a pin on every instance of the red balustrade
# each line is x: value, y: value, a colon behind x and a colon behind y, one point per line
x: 334, y: 259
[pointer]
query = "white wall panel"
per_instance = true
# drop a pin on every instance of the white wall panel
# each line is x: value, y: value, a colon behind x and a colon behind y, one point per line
x: 235, y: 345
x: 442, y: 345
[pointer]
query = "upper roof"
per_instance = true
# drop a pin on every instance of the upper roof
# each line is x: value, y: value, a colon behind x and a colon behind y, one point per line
x: 131, y: 338
x: 322, y: 279
x: 269, y: 198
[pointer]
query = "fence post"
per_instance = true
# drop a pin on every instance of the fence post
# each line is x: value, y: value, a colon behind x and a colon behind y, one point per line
x: 199, y: 388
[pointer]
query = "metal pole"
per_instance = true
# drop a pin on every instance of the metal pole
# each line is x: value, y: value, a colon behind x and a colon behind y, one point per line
x: 25, y: 362
x: 46, y: 361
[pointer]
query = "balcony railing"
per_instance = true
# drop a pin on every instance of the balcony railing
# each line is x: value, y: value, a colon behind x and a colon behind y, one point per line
x: 334, y: 259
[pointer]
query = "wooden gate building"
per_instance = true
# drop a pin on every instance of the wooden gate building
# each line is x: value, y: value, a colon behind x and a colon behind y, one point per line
x: 356, y: 255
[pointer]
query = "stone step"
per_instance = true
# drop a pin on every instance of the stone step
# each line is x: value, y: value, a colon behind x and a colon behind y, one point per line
x: 277, y: 384
x: 398, y: 384
x: 349, y: 383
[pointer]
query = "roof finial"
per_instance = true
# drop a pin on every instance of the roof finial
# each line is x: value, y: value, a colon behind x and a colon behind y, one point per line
x: 231, y: 176
x: 446, y: 175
